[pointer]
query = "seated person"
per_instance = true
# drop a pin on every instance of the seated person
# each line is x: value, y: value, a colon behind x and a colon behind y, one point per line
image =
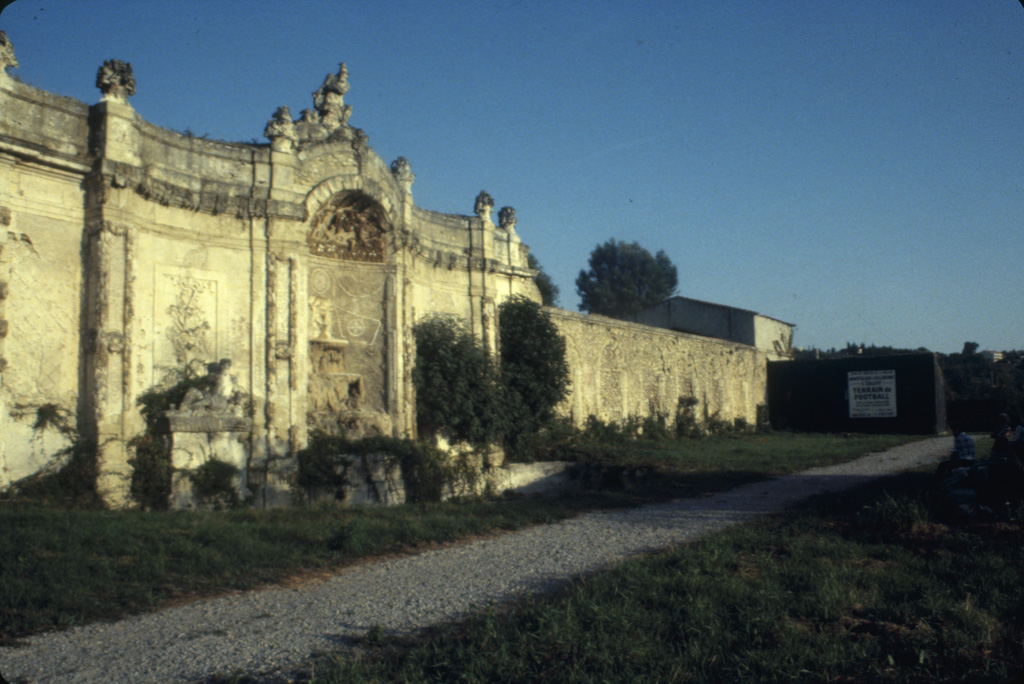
x: 962, y: 455
x: 1001, y: 436
x: 963, y: 445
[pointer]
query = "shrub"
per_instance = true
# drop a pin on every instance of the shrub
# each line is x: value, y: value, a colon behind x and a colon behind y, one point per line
x: 714, y: 424
x: 655, y: 428
x: 325, y: 466
x: 458, y: 388
x: 686, y: 418
x: 151, y: 471
x: 764, y: 421
x: 596, y: 431
x: 320, y: 470
x: 214, y: 484
x: 534, y: 372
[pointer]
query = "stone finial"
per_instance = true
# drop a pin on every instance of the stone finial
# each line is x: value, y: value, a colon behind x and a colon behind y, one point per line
x: 402, y: 170
x: 281, y: 131
x: 359, y: 140
x: 329, y: 99
x: 507, y: 218
x: 484, y: 205
x: 7, y: 58
x: 115, y: 80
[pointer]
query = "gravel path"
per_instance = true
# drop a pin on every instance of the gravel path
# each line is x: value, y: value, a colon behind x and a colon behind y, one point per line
x: 277, y: 629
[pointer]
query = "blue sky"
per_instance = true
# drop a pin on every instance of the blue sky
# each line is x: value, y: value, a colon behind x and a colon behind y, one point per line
x: 854, y: 168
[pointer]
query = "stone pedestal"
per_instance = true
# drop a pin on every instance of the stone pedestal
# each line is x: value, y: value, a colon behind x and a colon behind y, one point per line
x: 197, y: 439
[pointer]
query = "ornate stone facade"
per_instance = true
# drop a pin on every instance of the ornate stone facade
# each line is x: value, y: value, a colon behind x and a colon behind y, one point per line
x: 130, y: 253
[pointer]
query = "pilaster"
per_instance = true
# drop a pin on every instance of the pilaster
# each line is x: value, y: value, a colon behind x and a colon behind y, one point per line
x: 110, y: 302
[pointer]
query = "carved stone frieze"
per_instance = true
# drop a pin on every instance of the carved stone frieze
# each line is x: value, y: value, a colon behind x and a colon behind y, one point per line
x: 116, y: 80
x: 113, y: 228
x: 190, y: 329
x: 118, y: 176
x: 269, y: 406
x: 101, y: 295
x: 331, y: 389
x: 350, y: 227
x: 347, y: 350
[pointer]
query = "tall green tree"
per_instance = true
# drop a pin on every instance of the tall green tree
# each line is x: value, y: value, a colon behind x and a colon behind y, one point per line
x: 458, y: 385
x: 547, y: 287
x: 534, y: 372
x: 625, y: 278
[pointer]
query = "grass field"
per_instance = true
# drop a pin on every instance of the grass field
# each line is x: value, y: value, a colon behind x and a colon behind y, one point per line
x: 866, y: 587
x: 67, y: 567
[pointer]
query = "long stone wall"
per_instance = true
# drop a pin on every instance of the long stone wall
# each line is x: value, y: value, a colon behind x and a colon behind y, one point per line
x: 622, y: 369
x: 130, y: 254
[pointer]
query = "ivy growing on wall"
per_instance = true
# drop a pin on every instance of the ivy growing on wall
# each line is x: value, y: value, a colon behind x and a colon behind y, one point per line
x: 70, y: 480
x: 214, y: 485
x: 151, y: 462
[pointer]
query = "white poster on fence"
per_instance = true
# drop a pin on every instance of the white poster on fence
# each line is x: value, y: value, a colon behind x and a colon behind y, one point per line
x: 872, y: 393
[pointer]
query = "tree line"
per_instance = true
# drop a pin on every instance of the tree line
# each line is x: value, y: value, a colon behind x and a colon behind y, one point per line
x: 622, y: 278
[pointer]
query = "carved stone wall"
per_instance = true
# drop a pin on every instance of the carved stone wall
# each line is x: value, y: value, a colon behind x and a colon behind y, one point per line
x: 621, y: 369
x: 347, y: 343
x: 129, y: 252
x: 40, y: 306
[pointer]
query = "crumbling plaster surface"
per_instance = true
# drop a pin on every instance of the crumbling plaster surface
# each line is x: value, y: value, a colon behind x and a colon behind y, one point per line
x: 41, y: 215
x: 621, y: 369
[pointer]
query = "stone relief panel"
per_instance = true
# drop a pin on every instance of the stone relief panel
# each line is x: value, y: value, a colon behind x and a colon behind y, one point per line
x: 348, y: 365
x: 351, y: 228
x: 611, y: 383
x: 39, y: 294
x: 185, y: 319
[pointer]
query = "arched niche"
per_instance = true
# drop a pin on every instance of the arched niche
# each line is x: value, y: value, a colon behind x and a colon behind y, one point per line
x: 350, y: 227
x: 349, y: 358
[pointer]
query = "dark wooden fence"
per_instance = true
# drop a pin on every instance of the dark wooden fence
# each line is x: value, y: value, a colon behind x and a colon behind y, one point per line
x: 815, y: 396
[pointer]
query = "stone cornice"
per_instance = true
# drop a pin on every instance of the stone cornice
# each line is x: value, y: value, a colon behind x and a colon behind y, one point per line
x: 43, y: 155
x: 118, y: 175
